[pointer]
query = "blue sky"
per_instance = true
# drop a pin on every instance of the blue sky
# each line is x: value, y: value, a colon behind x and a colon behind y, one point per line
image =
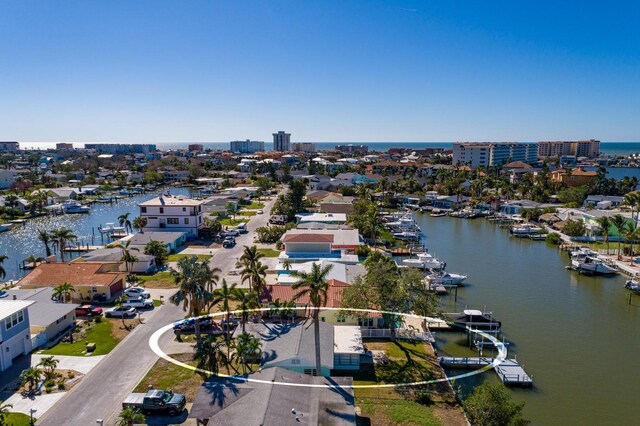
x: 171, y: 71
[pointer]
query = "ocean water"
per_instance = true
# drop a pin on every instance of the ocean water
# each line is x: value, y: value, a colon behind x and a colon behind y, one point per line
x: 609, y: 148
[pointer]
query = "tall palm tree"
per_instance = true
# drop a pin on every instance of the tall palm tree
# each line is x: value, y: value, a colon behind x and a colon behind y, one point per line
x: 4, y: 412
x: 3, y: 273
x: 276, y: 308
x: 632, y: 199
x: 248, y: 300
x: 253, y: 270
x: 223, y: 295
x: 193, y: 278
x: 314, y: 284
x: 127, y: 257
x: 123, y: 220
x: 45, y: 237
x: 48, y: 365
x: 31, y: 376
x: 619, y: 222
x: 63, y: 292
x: 209, y: 355
x: 139, y: 223
x: 130, y: 415
x: 61, y: 237
x: 630, y: 233
x: 286, y: 264
x: 246, y: 348
x: 604, y: 223
x: 31, y: 260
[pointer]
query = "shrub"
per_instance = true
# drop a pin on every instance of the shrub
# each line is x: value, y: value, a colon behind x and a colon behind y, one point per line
x: 363, y: 251
x: 574, y: 228
x: 279, y: 245
x: 554, y: 238
x: 61, y: 386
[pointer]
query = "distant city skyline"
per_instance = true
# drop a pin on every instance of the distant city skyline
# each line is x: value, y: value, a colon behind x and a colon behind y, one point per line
x: 333, y: 71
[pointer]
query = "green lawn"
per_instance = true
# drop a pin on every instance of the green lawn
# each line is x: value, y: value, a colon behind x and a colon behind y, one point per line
x: 17, y: 419
x: 176, y: 257
x: 389, y: 411
x: 100, y: 334
x: 246, y: 213
x: 159, y: 280
x: 254, y: 206
x: 232, y: 222
x: 157, y: 303
x: 269, y: 252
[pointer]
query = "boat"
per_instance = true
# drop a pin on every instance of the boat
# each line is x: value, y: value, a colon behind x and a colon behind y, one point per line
x: 110, y: 228
x: 633, y: 285
x: 124, y: 192
x: 71, y: 207
x: 5, y: 226
x: 525, y: 229
x: 405, y: 235
x: 586, y: 264
x: 424, y: 261
x: 475, y: 319
x: 445, y: 278
x: 437, y: 213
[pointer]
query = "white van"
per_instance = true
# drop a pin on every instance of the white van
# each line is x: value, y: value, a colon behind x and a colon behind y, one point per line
x: 242, y: 228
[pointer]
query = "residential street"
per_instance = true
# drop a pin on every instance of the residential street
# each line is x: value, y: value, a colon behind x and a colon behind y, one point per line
x: 99, y: 395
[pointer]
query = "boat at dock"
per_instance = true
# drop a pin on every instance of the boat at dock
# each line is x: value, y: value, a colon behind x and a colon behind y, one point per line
x: 111, y: 228
x: 525, y: 229
x: 424, y: 261
x: 633, y: 285
x: 5, y: 226
x: 586, y: 264
x: 73, y: 207
x: 445, y: 278
x: 475, y: 319
x: 406, y: 236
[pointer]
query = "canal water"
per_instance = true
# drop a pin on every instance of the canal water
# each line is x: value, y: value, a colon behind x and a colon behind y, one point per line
x: 576, y: 335
x: 22, y: 241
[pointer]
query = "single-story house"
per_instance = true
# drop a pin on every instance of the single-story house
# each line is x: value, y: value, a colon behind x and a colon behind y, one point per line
x: 144, y: 262
x: 337, y: 218
x: 235, y: 402
x: 15, y: 337
x: 91, y: 280
x: 611, y: 200
x: 172, y: 240
x: 48, y: 319
x: 339, y: 271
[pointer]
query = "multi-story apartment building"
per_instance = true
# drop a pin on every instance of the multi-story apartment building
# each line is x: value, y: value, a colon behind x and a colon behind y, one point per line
x: 282, y: 141
x: 488, y: 154
x: 120, y: 148
x: 246, y: 146
x: 353, y: 149
x: 64, y: 145
x: 586, y: 148
x: 9, y: 146
x: 173, y: 214
x: 304, y: 147
x: 196, y: 147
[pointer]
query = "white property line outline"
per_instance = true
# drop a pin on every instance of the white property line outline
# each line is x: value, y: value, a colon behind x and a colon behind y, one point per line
x: 153, y: 344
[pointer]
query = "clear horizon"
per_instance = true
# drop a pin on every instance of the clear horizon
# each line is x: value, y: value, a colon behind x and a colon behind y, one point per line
x: 335, y: 71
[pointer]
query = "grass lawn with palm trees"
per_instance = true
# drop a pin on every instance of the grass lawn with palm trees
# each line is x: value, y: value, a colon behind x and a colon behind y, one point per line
x: 158, y: 280
x: 105, y: 334
x: 177, y: 257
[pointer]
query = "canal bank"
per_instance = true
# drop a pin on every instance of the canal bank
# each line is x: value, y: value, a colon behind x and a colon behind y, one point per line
x: 21, y: 241
x: 576, y: 335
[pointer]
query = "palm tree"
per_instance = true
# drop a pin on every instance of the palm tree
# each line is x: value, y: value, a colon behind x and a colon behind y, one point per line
x: 289, y: 309
x: 314, y: 284
x: 248, y: 300
x: 286, y: 264
x: 123, y: 219
x: 119, y: 302
x: 130, y: 415
x: 225, y: 294
x: 11, y: 201
x: 3, y: 272
x: 632, y: 199
x: 139, y: 223
x: 48, y: 365
x: 45, y: 237
x: 619, y: 222
x: 253, y: 270
x: 61, y: 237
x: 4, y: 412
x: 63, y: 292
x: 209, y: 355
x: 31, y: 260
x: 31, y: 376
x: 246, y: 348
x: 127, y: 257
x: 275, y: 308
x: 193, y: 278
x: 604, y: 223
x: 630, y: 233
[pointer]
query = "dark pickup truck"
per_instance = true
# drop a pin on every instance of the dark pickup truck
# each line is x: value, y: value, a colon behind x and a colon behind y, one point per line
x: 156, y: 401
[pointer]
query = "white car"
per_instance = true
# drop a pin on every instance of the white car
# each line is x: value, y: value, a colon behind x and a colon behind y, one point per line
x: 137, y: 292
x: 138, y: 302
x: 260, y: 212
x: 120, y: 311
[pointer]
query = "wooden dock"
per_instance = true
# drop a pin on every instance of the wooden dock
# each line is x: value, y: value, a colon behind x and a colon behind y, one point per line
x: 509, y: 371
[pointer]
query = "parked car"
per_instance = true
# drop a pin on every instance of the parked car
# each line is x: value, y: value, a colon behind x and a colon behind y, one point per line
x: 99, y: 297
x: 189, y: 324
x: 232, y: 233
x: 259, y: 212
x: 88, y: 311
x: 137, y: 292
x: 139, y: 303
x: 229, y: 242
x: 120, y: 311
x: 156, y: 401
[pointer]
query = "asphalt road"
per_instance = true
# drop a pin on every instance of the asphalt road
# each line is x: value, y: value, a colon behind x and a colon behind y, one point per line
x: 99, y: 395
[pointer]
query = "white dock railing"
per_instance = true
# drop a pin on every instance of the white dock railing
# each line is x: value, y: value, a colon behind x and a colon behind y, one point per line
x: 401, y: 333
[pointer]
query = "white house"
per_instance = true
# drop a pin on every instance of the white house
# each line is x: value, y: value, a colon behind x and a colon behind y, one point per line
x: 173, y: 213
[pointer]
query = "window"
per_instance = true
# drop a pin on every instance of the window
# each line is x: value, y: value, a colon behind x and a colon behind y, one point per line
x: 184, y: 209
x: 161, y: 210
x: 340, y: 318
x: 14, y: 320
x: 310, y: 371
x: 186, y: 220
x: 143, y: 209
x: 173, y: 221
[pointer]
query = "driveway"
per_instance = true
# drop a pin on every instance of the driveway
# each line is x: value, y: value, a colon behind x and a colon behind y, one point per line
x: 81, y: 364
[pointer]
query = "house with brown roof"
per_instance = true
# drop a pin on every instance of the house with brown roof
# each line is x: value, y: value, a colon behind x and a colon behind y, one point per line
x: 92, y: 281
x: 574, y: 177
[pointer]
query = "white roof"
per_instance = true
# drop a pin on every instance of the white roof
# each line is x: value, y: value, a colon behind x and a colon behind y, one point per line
x: 323, y: 217
x: 473, y: 312
x: 347, y: 339
x: 10, y: 307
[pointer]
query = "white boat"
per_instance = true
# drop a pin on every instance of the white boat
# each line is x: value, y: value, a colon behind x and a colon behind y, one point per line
x: 5, y: 226
x: 405, y: 235
x: 446, y: 278
x: 71, y: 207
x: 591, y: 265
x: 633, y: 285
x: 525, y: 229
x: 424, y: 261
x: 110, y: 228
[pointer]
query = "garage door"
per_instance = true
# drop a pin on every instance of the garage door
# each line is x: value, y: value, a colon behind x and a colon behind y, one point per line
x: 116, y: 288
x: 16, y: 348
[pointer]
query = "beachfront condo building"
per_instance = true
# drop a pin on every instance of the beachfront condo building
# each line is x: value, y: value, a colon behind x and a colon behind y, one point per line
x: 353, y: 149
x: 120, y: 148
x: 489, y: 154
x: 554, y: 149
x: 173, y: 214
x: 9, y: 146
x: 307, y: 147
x: 282, y: 141
x: 246, y: 146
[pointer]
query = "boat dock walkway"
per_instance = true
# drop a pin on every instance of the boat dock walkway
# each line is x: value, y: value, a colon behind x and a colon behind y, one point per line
x: 509, y: 371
